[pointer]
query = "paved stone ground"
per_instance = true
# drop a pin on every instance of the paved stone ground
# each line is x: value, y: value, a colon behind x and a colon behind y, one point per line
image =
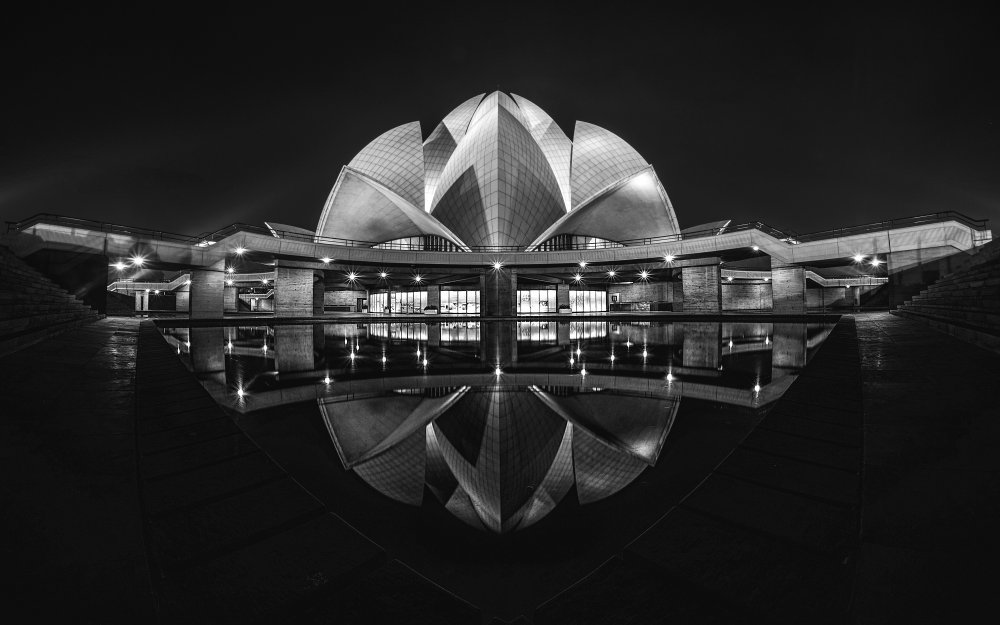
x: 870, y: 494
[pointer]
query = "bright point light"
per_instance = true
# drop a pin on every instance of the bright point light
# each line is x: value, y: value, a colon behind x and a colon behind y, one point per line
x: 644, y: 353
x: 352, y: 355
x: 876, y: 262
x: 418, y: 353
x: 425, y: 362
x: 138, y: 261
x: 578, y: 352
x: 240, y: 251
x: 230, y: 270
x: 187, y: 344
x: 156, y: 292
x: 384, y: 360
x: 147, y: 290
x: 583, y: 372
x: 611, y: 274
x: 571, y: 361
x: 119, y: 265
x: 352, y: 276
x: 577, y: 278
x: 670, y: 377
x: 327, y: 380
x: 417, y: 278
x: 326, y: 260
x: 644, y: 274
x: 767, y: 279
x: 229, y: 283
x: 669, y: 258
x: 263, y: 280
x: 730, y: 344
x: 497, y: 265
x: 583, y: 263
x: 756, y: 248
x: 628, y: 343
x: 859, y: 257
x: 497, y: 371
x: 612, y: 357
x: 263, y: 348
x: 383, y: 274
x: 240, y: 393
x: 187, y: 282
x: 729, y: 278
x: 230, y: 345
x: 756, y: 388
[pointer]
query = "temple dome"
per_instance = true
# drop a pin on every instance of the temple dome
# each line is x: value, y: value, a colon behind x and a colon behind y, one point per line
x: 497, y: 172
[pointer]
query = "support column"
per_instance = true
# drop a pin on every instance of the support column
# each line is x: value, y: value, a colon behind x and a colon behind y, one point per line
x: 788, y: 288
x: 182, y: 299
x: 293, y: 348
x: 702, y: 288
x: 293, y: 292
x: 702, y: 345
x: 208, y: 349
x: 562, y: 295
x: 229, y: 296
x: 319, y: 293
x: 789, y: 345
x: 499, y: 293
x: 434, y: 296
x: 434, y: 334
x: 206, y: 291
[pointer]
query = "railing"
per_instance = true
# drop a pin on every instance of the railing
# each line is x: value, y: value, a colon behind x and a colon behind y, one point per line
x: 207, y: 239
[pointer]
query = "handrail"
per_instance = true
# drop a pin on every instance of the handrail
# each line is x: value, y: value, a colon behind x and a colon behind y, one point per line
x: 211, y: 238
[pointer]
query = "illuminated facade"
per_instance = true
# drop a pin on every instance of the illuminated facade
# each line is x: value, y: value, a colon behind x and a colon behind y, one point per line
x: 496, y: 173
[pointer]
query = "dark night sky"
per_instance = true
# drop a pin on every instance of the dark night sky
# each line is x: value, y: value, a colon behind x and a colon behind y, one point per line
x: 188, y: 119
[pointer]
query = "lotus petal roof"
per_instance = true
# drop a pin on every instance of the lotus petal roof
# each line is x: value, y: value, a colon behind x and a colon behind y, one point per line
x: 497, y: 171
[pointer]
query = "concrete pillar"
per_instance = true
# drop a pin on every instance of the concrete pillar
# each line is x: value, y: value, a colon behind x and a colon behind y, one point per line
x: 499, y: 293
x: 434, y: 296
x: 293, y: 348
x: 182, y: 301
x: 702, y: 288
x: 562, y: 295
x: 789, y: 342
x: 319, y: 293
x: 229, y: 296
x: 206, y: 291
x: 788, y: 288
x: 433, y: 333
x: 139, y: 301
x: 208, y: 349
x: 293, y: 292
x: 562, y: 333
x: 702, y: 345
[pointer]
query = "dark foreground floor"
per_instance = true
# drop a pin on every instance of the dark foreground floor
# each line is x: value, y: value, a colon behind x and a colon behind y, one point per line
x: 870, y: 494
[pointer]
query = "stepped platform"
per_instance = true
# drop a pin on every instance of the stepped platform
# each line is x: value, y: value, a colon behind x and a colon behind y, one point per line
x: 964, y: 303
x: 33, y: 307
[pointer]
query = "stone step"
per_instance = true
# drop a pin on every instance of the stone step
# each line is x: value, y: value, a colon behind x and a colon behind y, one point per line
x: 987, y: 321
x: 960, y: 330
x: 21, y: 324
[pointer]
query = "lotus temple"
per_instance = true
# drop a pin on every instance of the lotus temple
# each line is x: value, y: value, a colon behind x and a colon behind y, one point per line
x: 501, y: 379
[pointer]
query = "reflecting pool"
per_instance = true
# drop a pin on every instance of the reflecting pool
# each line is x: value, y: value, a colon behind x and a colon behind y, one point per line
x: 515, y: 455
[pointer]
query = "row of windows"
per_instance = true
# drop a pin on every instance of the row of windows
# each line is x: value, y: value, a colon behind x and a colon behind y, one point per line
x: 468, y: 302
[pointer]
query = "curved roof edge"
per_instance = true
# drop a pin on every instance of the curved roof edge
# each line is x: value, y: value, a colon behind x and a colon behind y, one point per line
x: 278, y: 230
x: 395, y: 159
x: 652, y: 214
x: 422, y: 221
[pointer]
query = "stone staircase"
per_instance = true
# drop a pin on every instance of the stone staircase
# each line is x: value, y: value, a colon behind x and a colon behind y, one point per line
x: 33, y: 307
x: 964, y: 303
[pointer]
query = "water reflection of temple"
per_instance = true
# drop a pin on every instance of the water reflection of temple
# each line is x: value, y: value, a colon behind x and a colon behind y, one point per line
x: 500, y: 421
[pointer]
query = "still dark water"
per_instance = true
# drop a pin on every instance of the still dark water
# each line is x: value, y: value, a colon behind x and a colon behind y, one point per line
x: 504, y: 461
